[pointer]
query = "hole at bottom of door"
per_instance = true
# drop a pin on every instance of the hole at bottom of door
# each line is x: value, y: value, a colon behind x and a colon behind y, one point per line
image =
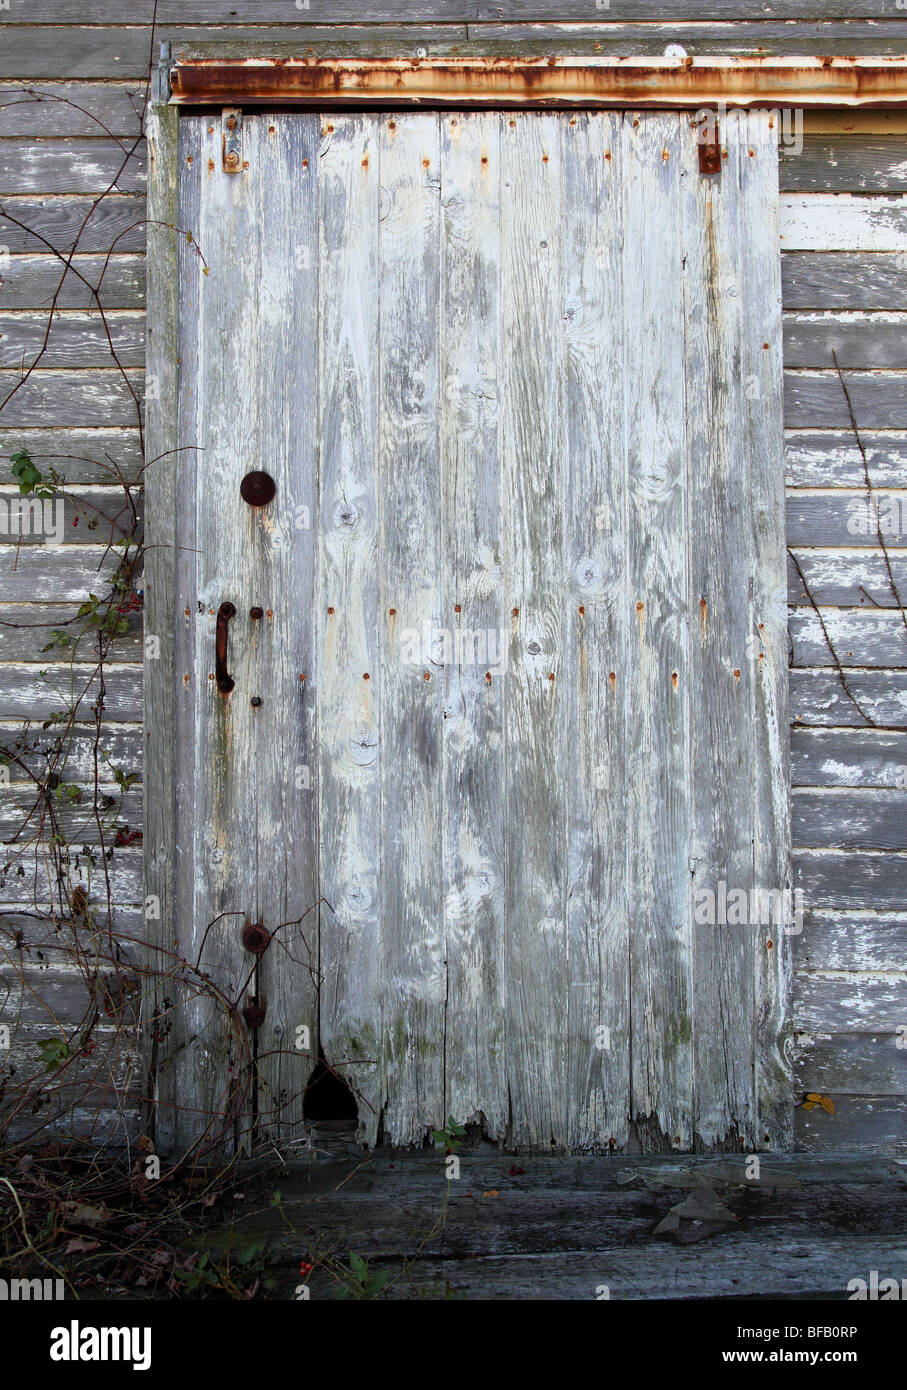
x: 327, y: 1097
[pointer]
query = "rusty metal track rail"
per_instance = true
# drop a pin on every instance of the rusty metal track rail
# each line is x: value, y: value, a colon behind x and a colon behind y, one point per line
x: 671, y: 83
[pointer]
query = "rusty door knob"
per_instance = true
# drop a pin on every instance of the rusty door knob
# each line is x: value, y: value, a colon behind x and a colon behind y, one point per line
x: 225, y: 681
x: 257, y: 489
x: 255, y: 938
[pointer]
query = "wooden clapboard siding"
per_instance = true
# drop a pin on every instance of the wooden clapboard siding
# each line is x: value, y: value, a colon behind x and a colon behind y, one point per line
x: 854, y: 265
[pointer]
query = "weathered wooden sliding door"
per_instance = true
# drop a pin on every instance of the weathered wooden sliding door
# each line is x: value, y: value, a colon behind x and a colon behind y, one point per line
x: 507, y: 730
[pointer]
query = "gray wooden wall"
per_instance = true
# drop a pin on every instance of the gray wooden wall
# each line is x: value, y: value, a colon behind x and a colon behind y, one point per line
x: 844, y: 266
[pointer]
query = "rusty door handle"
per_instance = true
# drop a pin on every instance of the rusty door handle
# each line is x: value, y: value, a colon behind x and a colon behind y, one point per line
x: 225, y: 681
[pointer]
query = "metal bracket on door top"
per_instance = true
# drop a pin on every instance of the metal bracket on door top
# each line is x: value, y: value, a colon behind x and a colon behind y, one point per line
x: 231, y: 127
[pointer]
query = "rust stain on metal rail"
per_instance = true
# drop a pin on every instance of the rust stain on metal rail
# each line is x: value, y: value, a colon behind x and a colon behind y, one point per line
x: 553, y: 82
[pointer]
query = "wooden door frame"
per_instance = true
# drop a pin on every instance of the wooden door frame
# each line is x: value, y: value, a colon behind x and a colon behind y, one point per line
x: 216, y: 74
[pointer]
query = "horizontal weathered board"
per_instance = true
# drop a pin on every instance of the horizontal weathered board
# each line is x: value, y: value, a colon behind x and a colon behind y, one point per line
x: 816, y: 400
x: 88, y: 515
x: 859, y: 340
x: 860, y: 1124
x: 866, y: 1065
x: 831, y: 458
x: 117, y: 747
x: 34, y: 282
x: 25, y: 695
x: 848, y: 818
x: 818, y: 699
x: 36, y: 225
x: 74, y: 339
x: 852, y: 578
x: 848, y: 758
x: 28, y: 879
x: 27, y: 817
x: 843, y: 280
x: 843, y: 222
x: 855, y: 941
x: 78, y: 51
x: 91, y: 456
x: 849, y: 1002
x: 99, y: 397
x: 848, y: 163
x: 852, y: 879
x: 848, y: 519
x: 107, y: 51
x: 861, y: 637
x: 57, y: 574
x: 72, y: 109
x: 53, y: 992
x: 447, y: 11
x: 71, y: 166
x: 26, y: 627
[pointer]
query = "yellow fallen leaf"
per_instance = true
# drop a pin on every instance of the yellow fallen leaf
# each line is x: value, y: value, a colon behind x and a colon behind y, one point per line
x: 492, y: 1192
x: 813, y: 1098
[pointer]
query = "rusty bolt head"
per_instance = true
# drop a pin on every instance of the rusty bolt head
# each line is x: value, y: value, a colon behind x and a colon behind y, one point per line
x: 257, y: 488
x: 255, y: 938
x: 232, y: 159
x: 256, y: 613
x: 254, y: 1015
x: 255, y: 701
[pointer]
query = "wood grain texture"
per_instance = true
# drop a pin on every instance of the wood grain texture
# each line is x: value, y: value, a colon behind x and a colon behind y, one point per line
x: 533, y: 486
x: 720, y: 669
x: 37, y: 282
x: 598, y: 641
x: 843, y: 279
x: 848, y: 758
x: 351, y: 625
x: 831, y: 458
x: 72, y: 340
x: 71, y: 166
x: 412, y: 690
x: 36, y: 223
x: 170, y: 12
x: 843, y: 222
x: 657, y: 560
x: 859, y: 340
x: 475, y: 603
x: 815, y: 400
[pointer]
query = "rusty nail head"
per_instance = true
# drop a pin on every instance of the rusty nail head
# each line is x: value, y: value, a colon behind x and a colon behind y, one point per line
x: 256, y: 613
x: 256, y: 701
x: 255, y: 938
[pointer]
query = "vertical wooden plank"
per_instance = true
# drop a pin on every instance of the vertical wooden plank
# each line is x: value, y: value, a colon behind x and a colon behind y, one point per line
x: 532, y: 499
x: 349, y: 685
x: 593, y: 682
x: 230, y: 540
x: 761, y: 368
x: 659, y: 790
x: 476, y: 622
x: 411, y: 690
x: 715, y: 234
x: 161, y: 492
x: 186, y: 1015
x: 282, y: 152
